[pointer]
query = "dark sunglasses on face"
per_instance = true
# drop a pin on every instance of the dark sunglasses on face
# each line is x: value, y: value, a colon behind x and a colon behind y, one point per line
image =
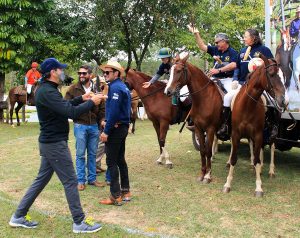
x: 82, y: 73
x: 107, y: 72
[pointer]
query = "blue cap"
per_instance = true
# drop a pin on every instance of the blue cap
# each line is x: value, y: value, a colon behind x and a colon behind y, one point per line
x: 51, y: 63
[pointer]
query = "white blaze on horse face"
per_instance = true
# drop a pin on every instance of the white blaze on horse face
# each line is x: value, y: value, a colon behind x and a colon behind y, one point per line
x: 182, y: 55
x: 170, y: 79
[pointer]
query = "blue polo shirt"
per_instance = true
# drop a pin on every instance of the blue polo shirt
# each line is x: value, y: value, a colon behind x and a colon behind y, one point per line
x: 295, y: 27
x: 164, y: 69
x: 117, y: 106
x: 228, y: 56
x: 243, y: 65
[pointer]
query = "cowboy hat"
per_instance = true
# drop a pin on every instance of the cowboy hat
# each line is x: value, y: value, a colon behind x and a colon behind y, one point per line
x: 254, y: 63
x: 114, y: 65
x: 298, y: 9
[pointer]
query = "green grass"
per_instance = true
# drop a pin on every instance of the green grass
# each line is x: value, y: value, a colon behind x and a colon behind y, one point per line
x: 165, y: 201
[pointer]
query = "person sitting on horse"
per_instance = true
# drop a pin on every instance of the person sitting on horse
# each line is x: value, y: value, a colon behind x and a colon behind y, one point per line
x: 31, y: 78
x: 254, y: 47
x: 165, y: 54
x: 225, y: 59
x: 295, y: 26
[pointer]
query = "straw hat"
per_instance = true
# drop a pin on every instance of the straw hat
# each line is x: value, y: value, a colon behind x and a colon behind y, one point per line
x: 113, y: 65
x: 254, y: 63
x: 298, y: 9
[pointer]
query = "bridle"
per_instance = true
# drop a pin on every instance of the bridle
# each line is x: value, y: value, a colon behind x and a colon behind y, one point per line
x: 269, y: 89
x: 185, y: 77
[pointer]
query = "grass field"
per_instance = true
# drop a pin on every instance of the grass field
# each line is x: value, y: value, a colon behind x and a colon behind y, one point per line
x: 166, y: 202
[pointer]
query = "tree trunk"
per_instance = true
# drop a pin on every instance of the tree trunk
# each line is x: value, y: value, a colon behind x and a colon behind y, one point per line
x: 23, y: 114
x: 2, y: 90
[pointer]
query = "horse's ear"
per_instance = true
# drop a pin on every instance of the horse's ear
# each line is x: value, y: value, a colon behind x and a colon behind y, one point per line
x: 264, y: 58
x: 127, y: 69
x: 185, y: 57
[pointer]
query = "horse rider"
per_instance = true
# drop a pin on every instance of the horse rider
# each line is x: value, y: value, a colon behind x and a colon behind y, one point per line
x: 295, y: 26
x: 225, y: 58
x: 165, y: 54
x: 254, y: 47
x: 31, y: 78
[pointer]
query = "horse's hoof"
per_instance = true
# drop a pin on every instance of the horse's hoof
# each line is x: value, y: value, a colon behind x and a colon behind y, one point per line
x: 206, y: 181
x: 200, y: 179
x: 271, y: 176
x: 159, y: 163
x: 226, y: 189
x: 259, y: 194
x: 169, y: 166
x: 227, y: 165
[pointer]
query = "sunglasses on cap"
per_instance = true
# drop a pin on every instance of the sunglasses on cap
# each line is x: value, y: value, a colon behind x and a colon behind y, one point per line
x: 82, y: 73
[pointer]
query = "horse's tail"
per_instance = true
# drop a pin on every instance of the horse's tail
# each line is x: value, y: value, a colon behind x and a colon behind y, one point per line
x: 8, y: 101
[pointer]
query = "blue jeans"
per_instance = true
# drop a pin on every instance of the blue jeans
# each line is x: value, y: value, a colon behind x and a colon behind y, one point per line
x: 107, y: 176
x: 87, y: 137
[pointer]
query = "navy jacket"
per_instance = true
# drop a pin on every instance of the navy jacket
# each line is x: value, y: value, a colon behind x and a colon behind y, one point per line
x: 227, y: 57
x: 164, y: 69
x: 243, y: 65
x: 118, y: 105
x: 295, y: 28
x: 53, y: 112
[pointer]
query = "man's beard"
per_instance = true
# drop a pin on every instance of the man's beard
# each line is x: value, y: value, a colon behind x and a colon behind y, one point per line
x: 86, y: 80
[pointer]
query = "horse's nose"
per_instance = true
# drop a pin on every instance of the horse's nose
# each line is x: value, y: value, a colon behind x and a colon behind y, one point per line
x: 169, y: 93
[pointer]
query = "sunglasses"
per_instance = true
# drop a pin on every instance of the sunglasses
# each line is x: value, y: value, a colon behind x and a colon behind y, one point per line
x: 217, y: 42
x: 82, y: 73
x: 107, y: 72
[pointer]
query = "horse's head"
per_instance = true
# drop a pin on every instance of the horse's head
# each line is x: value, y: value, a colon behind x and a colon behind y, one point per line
x: 285, y: 39
x: 273, y: 84
x: 178, y: 74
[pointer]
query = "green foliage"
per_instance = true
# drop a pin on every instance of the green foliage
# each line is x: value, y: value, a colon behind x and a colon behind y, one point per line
x: 21, y: 29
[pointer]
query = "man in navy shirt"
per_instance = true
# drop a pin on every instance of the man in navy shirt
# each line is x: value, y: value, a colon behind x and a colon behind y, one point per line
x: 227, y: 57
x: 295, y: 25
x: 117, y: 115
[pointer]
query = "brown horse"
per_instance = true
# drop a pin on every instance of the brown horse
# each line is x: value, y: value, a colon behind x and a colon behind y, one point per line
x: 206, y: 107
x: 248, y: 115
x: 133, y: 114
x: 18, y: 95
x: 283, y: 56
x: 158, y: 107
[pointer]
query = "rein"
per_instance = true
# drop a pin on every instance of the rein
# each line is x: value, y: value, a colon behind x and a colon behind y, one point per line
x: 186, y: 81
x: 147, y: 95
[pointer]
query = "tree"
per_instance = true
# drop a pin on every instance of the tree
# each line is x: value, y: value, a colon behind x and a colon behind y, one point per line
x: 21, y: 24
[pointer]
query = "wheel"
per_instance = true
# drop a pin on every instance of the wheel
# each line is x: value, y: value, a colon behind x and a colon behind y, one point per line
x: 195, y: 141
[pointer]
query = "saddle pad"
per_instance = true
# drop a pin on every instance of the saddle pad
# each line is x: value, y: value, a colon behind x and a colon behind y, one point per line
x: 20, y: 90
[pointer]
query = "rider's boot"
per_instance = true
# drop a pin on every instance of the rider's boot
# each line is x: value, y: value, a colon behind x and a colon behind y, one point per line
x: 27, y: 99
x: 190, y: 125
x: 223, y: 131
x: 274, y: 124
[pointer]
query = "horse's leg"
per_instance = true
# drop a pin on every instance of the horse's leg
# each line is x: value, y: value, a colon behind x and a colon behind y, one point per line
x: 228, y: 161
x: 164, y: 127
x: 130, y: 128
x: 209, y: 143
x: 261, y: 156
x: 11, y: 111
x: 201, y: 137
x: 272, y: 164
x: 233, y: 159
x: 214, y: 147
x: 133, y: 126
x: 251, y: 152
x: 257, y: 163
x: 20, y: 105
x: 157, y: 130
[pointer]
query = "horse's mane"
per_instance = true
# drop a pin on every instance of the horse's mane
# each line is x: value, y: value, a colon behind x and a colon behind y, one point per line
x: 147, y: 77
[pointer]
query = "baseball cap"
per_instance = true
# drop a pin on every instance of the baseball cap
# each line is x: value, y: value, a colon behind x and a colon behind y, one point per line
x: 51, y: 63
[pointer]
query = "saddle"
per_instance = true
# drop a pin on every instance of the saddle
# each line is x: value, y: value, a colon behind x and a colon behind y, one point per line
x: 220, y: 88
x: 20, y: 90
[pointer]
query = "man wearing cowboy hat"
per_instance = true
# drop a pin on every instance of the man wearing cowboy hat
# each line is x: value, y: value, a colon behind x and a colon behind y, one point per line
x: 115, y: 131
x: 295, y: 25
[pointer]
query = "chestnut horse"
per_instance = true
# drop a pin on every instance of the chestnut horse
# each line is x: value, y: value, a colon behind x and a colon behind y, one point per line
x: 158, y: 107
x: 248, y: 115
x: 18, y: 95
x: 206, y: 107
x: 134, y: 113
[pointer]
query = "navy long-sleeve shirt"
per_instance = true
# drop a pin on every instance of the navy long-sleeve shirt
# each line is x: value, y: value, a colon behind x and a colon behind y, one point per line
x: 242, y: 64
x: 53, y: 112
x: 118, y: 105
x: 295, y: 27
